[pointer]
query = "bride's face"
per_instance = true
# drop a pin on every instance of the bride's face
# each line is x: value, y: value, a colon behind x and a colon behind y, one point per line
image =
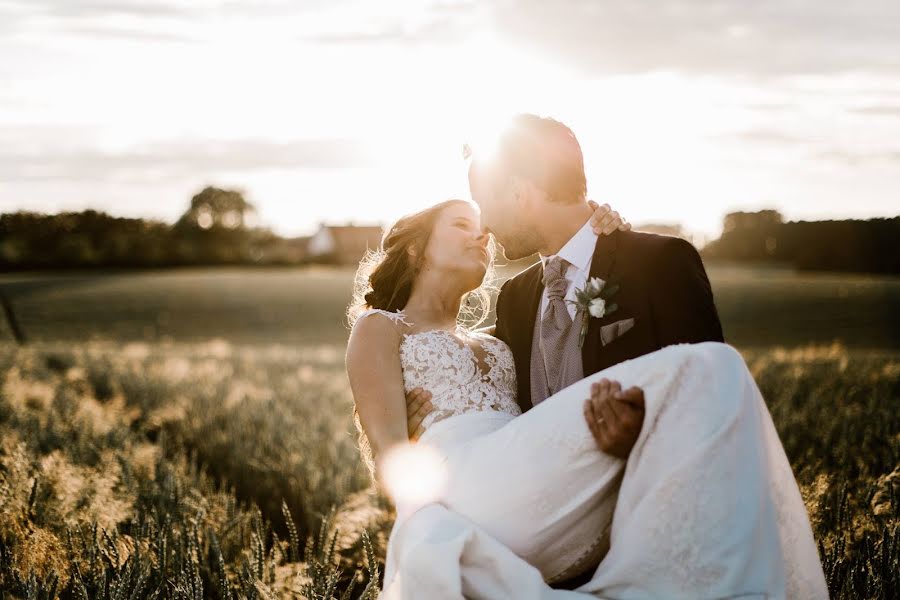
x: 458, y: 246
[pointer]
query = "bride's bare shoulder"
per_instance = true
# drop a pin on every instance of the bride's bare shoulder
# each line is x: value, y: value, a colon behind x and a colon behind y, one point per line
x: 396, y: 317
x: 377, y: 328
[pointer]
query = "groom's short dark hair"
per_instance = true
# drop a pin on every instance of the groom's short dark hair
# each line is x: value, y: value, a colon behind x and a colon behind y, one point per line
x: 546, y: 152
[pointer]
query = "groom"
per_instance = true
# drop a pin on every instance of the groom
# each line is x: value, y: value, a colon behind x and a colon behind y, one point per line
x: 532, y: 194
x: 532, y: 198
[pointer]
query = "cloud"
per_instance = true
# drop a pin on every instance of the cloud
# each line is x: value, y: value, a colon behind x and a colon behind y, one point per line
x: 883, y: 110
x: 757, y: 38
x: 772, y: 137
x: 99, y: 8
x: 129, y: 34
x: 859, y: 158
x: 197, y: 9
x: 770, y: 107
x: 732, y: 37
x: 173, y: 159
x: 141, y: 21
x: 435, y: 22
x: 325, y: 21
x: 395, y: 32
x: 159, y: 20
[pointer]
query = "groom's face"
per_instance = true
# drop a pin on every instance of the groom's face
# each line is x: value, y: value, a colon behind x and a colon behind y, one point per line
x: 503, y: 216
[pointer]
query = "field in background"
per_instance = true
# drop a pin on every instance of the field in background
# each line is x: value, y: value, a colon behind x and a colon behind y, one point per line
x: 159, y: 427
x: 758, y: 307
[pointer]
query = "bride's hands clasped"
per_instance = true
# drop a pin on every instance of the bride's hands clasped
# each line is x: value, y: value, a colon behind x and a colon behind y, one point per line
x: 605, y: 220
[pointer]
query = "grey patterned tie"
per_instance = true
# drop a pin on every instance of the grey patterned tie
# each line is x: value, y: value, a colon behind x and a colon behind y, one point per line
x: 556, y: 325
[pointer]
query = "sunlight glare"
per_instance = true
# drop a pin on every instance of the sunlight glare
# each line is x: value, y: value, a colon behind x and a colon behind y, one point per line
x: 413, y: 473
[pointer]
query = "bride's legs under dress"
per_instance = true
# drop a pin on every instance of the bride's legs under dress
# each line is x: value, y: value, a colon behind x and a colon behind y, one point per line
x: 705, y: 507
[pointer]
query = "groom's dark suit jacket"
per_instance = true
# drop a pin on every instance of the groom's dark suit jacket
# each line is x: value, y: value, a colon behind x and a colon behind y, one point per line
x: 662, y: 286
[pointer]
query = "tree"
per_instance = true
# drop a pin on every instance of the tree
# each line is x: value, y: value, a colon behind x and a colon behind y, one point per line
x: 214, y: 230
x: 215, y: 208
x: 761, y: 220
x: 849, y: 245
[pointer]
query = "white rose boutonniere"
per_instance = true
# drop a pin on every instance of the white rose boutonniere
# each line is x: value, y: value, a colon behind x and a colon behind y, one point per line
x: 594, y: 301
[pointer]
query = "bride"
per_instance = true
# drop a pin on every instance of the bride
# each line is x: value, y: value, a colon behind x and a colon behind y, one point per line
x: 493, y: 503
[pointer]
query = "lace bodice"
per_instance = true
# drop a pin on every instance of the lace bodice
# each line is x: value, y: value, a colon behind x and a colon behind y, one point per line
x: 465, y: 372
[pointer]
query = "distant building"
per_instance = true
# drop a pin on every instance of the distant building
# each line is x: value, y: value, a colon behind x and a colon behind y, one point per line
x: 343, y: 244
x: 288, y: 251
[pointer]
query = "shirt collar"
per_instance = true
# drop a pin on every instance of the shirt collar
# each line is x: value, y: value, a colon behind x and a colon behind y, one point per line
x: 579, y: 250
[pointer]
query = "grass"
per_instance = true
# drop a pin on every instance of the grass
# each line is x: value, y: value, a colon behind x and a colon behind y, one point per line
x: 187, y: 460
x: 759, y: 307
x: 178, y: 466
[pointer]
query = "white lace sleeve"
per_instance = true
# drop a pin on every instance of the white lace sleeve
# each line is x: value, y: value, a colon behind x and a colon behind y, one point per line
x: 396, y: 317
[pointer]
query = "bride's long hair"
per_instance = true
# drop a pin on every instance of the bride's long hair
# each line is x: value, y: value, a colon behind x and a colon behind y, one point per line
x: 385, y: 279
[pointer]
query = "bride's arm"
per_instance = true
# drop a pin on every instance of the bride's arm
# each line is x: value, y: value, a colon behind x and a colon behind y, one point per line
x: 605, y: 220
x: 376, y: 380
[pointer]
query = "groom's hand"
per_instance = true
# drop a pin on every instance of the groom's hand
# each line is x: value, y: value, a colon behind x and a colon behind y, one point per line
x: 418, y: 405
x: 614, y: 416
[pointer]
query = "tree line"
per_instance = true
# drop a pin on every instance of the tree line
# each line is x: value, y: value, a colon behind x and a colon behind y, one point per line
x: 869, y: 246
x: 215, y: 230
x: 218, y: 229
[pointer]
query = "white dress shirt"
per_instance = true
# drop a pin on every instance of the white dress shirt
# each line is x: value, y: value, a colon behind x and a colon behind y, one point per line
x: 578, y: 252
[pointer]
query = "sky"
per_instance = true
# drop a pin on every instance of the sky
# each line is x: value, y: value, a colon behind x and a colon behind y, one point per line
x: 356, y: 111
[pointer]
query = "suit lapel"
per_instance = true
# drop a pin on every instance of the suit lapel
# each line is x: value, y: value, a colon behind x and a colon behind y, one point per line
x: 533, y: 290
x: 602, y: 265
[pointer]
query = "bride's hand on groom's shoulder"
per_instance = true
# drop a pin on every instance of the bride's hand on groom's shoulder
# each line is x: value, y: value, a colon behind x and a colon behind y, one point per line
x: 605, y: 220
x: 418, y: 405
x: 614, y: 416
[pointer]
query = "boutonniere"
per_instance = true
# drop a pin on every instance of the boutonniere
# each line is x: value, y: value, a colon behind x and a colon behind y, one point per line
x: 594, y: 300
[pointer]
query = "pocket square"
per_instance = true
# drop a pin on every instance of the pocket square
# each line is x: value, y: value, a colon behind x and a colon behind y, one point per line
x: 610, y: 332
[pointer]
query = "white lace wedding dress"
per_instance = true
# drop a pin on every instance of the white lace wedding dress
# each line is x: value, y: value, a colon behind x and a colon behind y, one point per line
x: 705, y: 507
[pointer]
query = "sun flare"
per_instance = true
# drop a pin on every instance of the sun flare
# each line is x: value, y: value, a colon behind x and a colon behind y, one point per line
x: 413, y: 474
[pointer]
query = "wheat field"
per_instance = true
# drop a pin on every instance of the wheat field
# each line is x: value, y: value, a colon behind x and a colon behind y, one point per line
x: 188, y: 434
